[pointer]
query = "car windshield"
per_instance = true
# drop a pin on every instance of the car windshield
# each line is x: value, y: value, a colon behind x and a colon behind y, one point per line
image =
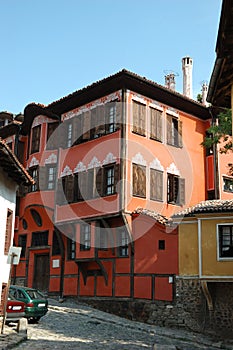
x: 35, y: 294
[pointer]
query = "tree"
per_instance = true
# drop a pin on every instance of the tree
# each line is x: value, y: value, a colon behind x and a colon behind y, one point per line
x: 221, y: 133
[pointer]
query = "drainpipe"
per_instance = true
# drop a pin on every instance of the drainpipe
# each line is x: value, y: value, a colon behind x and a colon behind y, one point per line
x: 199, y: 248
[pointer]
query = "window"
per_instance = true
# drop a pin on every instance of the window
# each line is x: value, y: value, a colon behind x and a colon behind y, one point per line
x: 68, y: 187
x: 139, y: 118
x: 40, y: 239
x: 8, y: 231
x: 123, y: 248
x: 175, y: 189
x: 35, y: 147
x: 23, y: 244
x: 85, y: 237
x: 110, y: 120
x: 71, y: 248
x: 97, y: 122
x: 34, y: 174
x: 156, y: 185
x: 174, y: 131
x: 155, y: 124
x: 80, y: 185
x: 24, y: 224
x: 109, y: 180
x: 161, y: 244
x: 225, y: 241
x: 20, y: 151
x: 228, y: 184
x: 56, y: 250
x: 139, y: 180
x: 36, y: 217
x: 51, y: 138
x: 51, y: 177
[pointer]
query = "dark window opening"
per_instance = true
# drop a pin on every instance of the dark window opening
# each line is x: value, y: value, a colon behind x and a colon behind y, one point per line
x: 225, y: 241
x: 36, y: 217
x: 23, y: 244
x: 35, y: 146
x: 123, y: 249
x: 175, y: 189
x: 56, y: 250
x: 51, y: 136
x: 161, y: 244
x: 25, y: 224
x: 40, y: 239
x: 71, y: 248
x: 228, y: 184
x: 34, y: 172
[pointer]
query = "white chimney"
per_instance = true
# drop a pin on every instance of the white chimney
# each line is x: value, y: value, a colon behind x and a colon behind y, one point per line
x: 187, y: 67
x: 170, y: 82
x: 204, y: 91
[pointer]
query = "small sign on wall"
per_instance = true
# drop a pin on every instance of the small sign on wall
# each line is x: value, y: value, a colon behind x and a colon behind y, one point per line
x: 56, y: 263
x: 14, y: 255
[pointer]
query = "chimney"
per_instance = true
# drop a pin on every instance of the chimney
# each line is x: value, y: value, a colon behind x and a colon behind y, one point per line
x: 204, y: 91
x: 170, y: 82
x: 187, y: 66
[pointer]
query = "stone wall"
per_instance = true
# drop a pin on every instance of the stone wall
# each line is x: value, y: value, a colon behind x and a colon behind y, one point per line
x: 188, y: 310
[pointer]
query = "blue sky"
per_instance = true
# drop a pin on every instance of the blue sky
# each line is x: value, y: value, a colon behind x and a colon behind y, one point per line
x: 50, y: 48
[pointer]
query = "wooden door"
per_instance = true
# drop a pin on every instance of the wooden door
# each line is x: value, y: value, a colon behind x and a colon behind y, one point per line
x: 41, y: 272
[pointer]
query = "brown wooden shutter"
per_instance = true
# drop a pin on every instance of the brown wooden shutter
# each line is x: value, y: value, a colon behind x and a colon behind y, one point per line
x: 169, y: 129
x: 142, y: 181
x: 100, y: 120
x: 60, y: 196
x: 52, y: 136
x: 83, y: 184
x: 42, y: 178
x: 8, y: 232
x: 69, y: 188
x: 152, y: 184
x: 135, y: 117
x: 153, y: 133
x: 180, y: 141
x: 181, y: 191
x: 135, y: 179
x: 86, y: 118
x: 159, y: 183
x: 99, y: 190
x: 142, y: 119
x: 90, y: 183
x: 159, y: 129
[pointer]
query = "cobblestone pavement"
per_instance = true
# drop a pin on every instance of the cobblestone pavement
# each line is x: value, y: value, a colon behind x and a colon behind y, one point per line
x: 71, y: 325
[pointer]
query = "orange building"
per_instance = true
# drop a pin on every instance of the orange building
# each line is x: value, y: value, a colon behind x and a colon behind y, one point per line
x: 110, y: 162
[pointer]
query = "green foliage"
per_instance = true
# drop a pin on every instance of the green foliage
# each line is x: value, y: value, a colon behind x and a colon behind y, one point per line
x: 220, y: 132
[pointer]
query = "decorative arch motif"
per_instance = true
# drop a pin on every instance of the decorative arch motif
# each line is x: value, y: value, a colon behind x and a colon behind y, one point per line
x: 138, y: 159
x: 94, y: 163
x: 52, y: 159
x: 172, y: 169
x: 66, y: 172
x: 110, y: 158
x: 155, y: 164
x: 80, y: 167
x: 33, y: 162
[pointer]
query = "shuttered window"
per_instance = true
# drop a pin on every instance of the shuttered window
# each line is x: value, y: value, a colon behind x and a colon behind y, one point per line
x: 156, y: 185
x: 139, y: 180
x: 155, y: 124
x: 68, y: 188
x: 35, y: 145
x: 80, y: 186
x: 8, y: 232
x: 175, y: 189
x: 139, y: 118
x: 174, y: 131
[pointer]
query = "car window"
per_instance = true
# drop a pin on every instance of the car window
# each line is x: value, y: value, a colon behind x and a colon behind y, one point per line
x: 34, y: 294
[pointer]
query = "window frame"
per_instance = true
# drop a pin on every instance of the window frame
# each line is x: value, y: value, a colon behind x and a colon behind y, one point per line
x: 153, y: 195
x: 51, y: 140
x: 175, y: 190
x: 139, y: 118
x: 174, y: 131
x: 219, y: 244
x: 230, y: 179
x: 8, y: 231
x: 123, y: 243
x: 34, y: 187
x: 156, y: 124
x: 48, y: 176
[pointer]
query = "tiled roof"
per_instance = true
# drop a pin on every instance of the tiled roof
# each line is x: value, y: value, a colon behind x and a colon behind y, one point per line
x: 210, y: 206
x: 12, y: 166
x: 158, y: 217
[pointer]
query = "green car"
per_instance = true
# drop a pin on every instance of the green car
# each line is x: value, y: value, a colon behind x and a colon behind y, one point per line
x: 36, y: 303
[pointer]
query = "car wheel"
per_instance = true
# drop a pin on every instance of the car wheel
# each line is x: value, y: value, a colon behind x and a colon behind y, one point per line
x: 33, y: 320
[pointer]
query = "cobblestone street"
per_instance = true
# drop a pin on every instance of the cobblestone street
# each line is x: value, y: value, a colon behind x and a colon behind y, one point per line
x: 76, y: 326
